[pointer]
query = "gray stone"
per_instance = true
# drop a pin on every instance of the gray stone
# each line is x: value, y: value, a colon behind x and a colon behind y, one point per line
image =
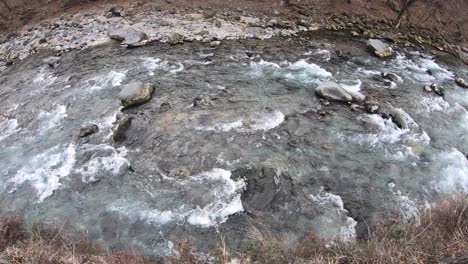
x: 379, y: 48
x: 128, y: 36
x: 175, y: 38
x: 121, y: 125
x: 333, y: 91
x: 392, y: 77
x: 116, y: 10
x: 136, y: 93
x: 461, y: 83
x: 88, y: 131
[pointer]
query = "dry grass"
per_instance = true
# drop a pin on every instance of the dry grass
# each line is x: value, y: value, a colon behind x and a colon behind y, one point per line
x: 441, y: 236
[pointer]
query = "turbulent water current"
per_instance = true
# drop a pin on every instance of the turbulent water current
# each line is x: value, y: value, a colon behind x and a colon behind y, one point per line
x: 260, y: 149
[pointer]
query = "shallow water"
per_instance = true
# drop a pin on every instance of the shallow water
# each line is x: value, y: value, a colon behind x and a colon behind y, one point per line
x: 260, y: 153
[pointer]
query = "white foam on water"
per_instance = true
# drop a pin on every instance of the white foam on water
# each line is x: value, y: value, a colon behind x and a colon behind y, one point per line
x: 44, y: 78
x: 8, y: 127
x: 333, y: 214
x: 418, y: 69
x: 227, y: 200
x: 151, y: 64
x: 409, y: 209
x: 368, y: 72
x: 388, y: 132
x: 52, y: 119
x: 452, y: 166
x: 299, y: 70
x: 112, y: 79
x: 354, y: 87
x: 224, y: 194
x: 44, y: 171
x: 403, y: 154
x: 433, y: 104
x: 110, y: 164
x: 262, y: 121
x: 176, y: 68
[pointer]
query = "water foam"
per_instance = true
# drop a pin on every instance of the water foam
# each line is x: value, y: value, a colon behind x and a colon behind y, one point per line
x: 44, y: 171
x: 102, y: 164
x: 53, y: 118
x: 333, y: 213
x: 257, y: 122
x: 112, y: 79
x: 452, y: 166
x: 8, y: 127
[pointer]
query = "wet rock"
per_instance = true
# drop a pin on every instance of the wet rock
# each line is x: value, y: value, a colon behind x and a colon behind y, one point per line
x: 427, y: 88
x: 460, y: 82
x: 88, y: 131
x: 202, y: 101
x: 397, y: 118
x: 355, y: 107
x: 120, y: 128
x: 51, y: 61
x: 136, y: 93
x: 165, y: 107
x: 175, y: 39
x: 437, y: 90
x: 392, y: 77
x: 128, y: 36
x: 379, y: 48
x: 333, y: 91
x: 266, y: 189
x: 371, y: 107
x: 390, y: 84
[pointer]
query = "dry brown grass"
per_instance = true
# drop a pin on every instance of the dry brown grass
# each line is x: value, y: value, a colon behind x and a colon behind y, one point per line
x: 441, y: 236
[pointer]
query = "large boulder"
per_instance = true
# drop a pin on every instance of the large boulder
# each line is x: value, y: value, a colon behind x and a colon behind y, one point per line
x: 128, y: 36
x: 333, y: 91
x: 379, y: 48
x: 136, y: 93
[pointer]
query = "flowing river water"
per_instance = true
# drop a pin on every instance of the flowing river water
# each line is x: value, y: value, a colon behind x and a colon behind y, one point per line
x: 258, y: 149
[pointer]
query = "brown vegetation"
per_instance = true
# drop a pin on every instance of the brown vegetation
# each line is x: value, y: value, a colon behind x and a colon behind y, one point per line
x: 440, y: 236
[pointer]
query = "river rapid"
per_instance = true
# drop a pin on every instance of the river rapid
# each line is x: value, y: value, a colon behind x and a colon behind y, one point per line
x: 233, y: 138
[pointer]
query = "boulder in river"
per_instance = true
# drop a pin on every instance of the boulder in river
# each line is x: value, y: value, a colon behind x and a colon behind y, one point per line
x: 379, y: 48
x: 88, y: 131
x: 461, y: 83
x: 121, y: 125
x: 392, y: 77
x: 136, y: 93
x: 128, y: 36
x: 333, y: 91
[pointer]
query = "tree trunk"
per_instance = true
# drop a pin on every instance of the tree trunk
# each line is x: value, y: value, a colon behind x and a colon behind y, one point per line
x: 405, y: 7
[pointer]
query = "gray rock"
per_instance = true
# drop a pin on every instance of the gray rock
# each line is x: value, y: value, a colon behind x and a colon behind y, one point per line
x: 333, y: 91
x: 136, y: 93
x: 379, y: 48
x: 128, y: 36
x: 116, y: 10
x: 175, y: 38
x: 392, y: 77
x: 461, y: 83
x: 120, y: 128
x: 88, y: 131
x: 371, y: 107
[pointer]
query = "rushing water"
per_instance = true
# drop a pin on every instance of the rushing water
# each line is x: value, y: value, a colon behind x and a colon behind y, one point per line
x: 261, y: 150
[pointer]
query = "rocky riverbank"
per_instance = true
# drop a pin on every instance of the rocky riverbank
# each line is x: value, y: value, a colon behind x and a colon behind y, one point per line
x: 146, y: 22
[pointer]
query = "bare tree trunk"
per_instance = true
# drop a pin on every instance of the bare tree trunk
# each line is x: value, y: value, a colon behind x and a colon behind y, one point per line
x: 405, y: 7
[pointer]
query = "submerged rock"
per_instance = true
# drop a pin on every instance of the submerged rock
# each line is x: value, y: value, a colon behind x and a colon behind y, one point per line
x: 392, y: 77
x: 379, y: 48
x: 333, y: 91
x: 88, y: 131
x: 136, y: 93
x: 51, y: 61
x: 121, y: 125
x: 461, y: 83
